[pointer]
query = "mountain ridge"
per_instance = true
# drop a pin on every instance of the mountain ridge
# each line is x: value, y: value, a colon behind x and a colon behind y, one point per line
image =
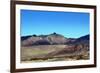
x: 52, y: 39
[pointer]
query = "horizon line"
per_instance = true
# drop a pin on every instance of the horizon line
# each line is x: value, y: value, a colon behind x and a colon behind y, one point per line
x: 52, y: 33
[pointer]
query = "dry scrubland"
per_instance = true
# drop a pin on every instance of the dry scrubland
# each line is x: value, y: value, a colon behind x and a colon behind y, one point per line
x: 43, y: 53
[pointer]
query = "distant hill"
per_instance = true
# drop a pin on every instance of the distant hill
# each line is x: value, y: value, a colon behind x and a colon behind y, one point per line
x: 80, y: 40
x: 24, y: 38
x: 52, y: 39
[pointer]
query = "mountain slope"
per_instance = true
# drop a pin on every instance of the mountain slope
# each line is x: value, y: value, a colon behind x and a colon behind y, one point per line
x: 52, y: 39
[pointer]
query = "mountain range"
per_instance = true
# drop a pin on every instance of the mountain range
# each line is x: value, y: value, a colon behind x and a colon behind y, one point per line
x: 54, y: 47
x: 52, y: 39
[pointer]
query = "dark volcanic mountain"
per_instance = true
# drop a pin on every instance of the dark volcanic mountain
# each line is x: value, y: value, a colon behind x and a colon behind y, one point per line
x: 80, y: 40
x: 52, y: 39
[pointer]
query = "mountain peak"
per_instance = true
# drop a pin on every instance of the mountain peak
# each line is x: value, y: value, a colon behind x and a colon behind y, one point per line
x: 56, y: 34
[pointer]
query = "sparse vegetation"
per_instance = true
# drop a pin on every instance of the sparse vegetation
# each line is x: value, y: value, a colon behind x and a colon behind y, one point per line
x: 42, y: 53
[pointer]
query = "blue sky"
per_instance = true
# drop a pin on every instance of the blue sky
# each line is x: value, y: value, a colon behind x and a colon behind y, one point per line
x: 69, y: 24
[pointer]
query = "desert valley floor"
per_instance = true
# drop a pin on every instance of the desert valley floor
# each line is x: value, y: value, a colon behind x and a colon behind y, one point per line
x: 42, y: 53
